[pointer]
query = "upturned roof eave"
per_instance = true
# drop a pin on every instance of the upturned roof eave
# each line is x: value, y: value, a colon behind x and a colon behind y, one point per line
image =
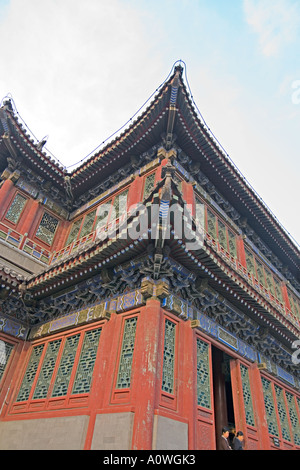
x: 220, y: 168
x: 137, y: 137
x: 23, y: 142
x: 203, y: 146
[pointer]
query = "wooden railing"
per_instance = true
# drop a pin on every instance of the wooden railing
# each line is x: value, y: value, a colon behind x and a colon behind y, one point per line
x: 24, y: 243
x: 251, y: 279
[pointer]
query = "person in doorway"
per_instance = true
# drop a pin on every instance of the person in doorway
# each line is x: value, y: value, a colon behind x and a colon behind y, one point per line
x: 224, y: 441
x: 238, y: 441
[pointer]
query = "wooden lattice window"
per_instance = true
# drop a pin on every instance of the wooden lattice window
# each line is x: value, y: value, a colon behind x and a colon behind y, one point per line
x: 169, y: 357
x: 270, y: 407
x: 260, y: 273
x: 250, y: 262
x: 293, y: 417
x: 222, y: 236
x: 211, y: 224
x: 294, y: 303
x: 232, y: 244
x: 45, y: 375
x: 203, y: 375
x: 30, y: 373
x: 120, y: 204
x: 270, y: 282
x: 47, y: 228
x: 149, y: 184
x: 199, y: 212
x: 83, y: 379
x: 74, y: 231
x: 227, y: 239
x: 126, y: 355
x: 247, y: 395
x: 61, y: 367
x: 88, y: 223
x: 278, y: 291
x: 6, y: 350
x: 16, y: 208
x: 282, y: 413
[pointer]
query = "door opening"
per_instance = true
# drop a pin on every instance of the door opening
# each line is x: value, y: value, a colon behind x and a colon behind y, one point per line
x: 223, y: 401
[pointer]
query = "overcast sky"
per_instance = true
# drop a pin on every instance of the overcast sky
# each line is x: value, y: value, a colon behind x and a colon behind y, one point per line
x: 79, y: 70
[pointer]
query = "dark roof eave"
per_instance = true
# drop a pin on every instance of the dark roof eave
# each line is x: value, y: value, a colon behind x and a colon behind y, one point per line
x: 223, y: 172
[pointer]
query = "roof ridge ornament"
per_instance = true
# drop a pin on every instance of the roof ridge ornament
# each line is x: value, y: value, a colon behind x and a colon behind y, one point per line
x: 179, y: 68
x: 175, y: 84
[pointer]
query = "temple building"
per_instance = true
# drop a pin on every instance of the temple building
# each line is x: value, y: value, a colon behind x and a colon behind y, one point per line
x: 148, y: 298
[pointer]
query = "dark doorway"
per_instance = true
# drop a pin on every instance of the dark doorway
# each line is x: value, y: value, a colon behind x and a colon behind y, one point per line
x: 223, y: 401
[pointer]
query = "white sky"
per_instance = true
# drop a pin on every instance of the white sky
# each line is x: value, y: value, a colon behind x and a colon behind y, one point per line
x: 79, y: 70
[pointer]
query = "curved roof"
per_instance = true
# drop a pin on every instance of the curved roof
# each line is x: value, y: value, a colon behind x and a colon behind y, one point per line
x: 171, y: 115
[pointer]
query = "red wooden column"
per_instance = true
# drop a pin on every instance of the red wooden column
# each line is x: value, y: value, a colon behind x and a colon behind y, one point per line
x: 259, y: 407
x: 188, y: 384
x: 26, y: 224
x: 285, y: 296
x: 5, y: 193
x: 189, y: 196
x: 59, y: 240
x: 241, y: 251
x: 10, y: 373
x: 16, y: 372
x: 103, y: 373
x: 135, y: 192
x: 237, y: 395
x: 146, y: 379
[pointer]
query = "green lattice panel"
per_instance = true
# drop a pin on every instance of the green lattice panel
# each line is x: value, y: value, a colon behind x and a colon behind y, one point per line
x: 248, y: 405
x: 169, y: 357
x: 88, y: 224
x: 222, y: 235
x: 43, y: 382
x: 295, y: 307
x: 232, y: 244
x: 47, y: 228
x: 278, y: 290
x: 260, y: 273
x: 5, y: 353
x: 84, y: 373
x: 211, y: 224
x: 120, y: 204
x: 200, y: 211
x: 203, y: 375
x: 126, y: 356
x: 16, y: 208
x: 149, y: 185
x: 270, y: 407
x: 31, y: 370
x: 283, y: 418
x: 65, y: 367
x: 293, y: 417
x: 74, y: 231
x: 250, y: 262
x: 270, y: 284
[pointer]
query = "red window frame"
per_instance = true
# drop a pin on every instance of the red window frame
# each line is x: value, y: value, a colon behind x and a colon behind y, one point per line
x: 54, y: 403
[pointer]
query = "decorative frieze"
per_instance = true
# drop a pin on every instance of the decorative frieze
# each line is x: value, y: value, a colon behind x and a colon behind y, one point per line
x: 86, y: 315
x: 101, y: 311
x: 13, y: 328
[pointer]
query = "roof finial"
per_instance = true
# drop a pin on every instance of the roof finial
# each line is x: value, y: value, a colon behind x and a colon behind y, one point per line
x: 179, y: 68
